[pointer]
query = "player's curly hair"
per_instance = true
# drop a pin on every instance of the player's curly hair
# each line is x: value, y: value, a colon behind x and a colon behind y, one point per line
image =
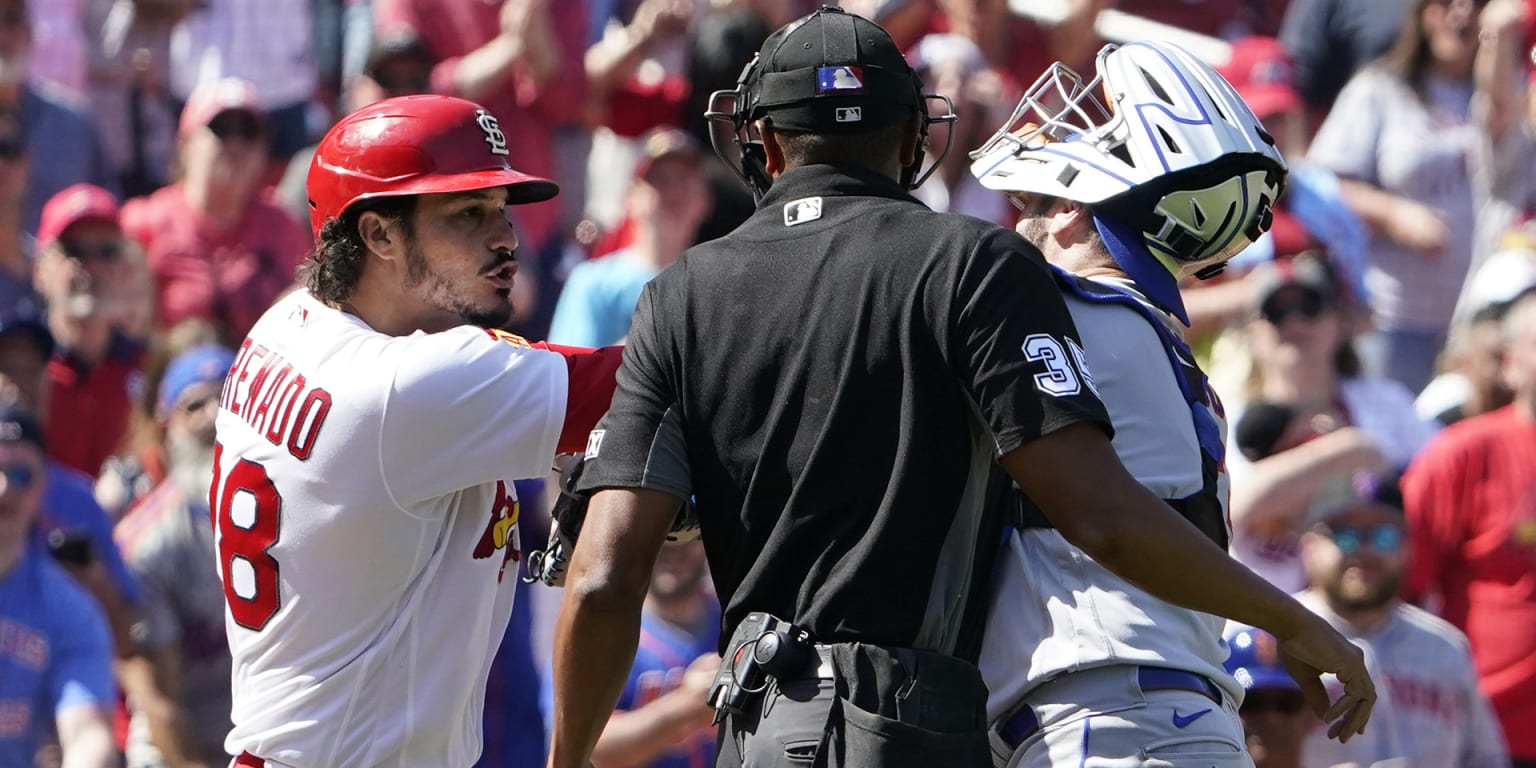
x: 335, y: 266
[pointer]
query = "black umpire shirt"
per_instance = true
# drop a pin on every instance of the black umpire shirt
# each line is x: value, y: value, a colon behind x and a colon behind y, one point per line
x: 832, y: 383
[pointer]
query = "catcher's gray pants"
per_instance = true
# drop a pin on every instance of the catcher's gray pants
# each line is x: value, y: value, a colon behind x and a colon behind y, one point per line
x: 1106, y: 718
x: 864, y: 706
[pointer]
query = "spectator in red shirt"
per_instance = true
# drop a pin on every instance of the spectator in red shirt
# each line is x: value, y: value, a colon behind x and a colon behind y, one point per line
x: 219, y: 247
x: 90, y: 278
x: 1471, y: 504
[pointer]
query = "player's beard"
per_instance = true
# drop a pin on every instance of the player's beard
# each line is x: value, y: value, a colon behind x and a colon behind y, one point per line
x: 191, y: 463
x: 1034, y: 231
x: 419, y: 274
x: 1033, y: 219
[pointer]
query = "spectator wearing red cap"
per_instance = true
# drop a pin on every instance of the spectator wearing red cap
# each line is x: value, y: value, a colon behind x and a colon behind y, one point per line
x: 220, y: 249
x: 665, y: 205
x: 1265, y: 76
x: 92, y: 280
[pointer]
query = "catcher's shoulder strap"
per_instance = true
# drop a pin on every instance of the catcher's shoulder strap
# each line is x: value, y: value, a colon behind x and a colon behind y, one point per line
x: 1204, y: 508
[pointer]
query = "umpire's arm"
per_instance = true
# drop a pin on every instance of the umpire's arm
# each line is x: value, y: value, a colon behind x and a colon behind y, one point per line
x: 599, y: 625
x: 1075, y: 477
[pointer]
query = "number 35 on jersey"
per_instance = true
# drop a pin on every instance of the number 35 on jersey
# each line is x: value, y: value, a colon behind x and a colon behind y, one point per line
x: 1066, y: 366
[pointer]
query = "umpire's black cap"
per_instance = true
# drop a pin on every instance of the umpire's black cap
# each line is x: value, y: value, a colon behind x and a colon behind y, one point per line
x: 832, y: 72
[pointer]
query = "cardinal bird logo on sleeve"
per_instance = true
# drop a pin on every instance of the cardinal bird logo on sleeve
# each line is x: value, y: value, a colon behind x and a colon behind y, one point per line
x: 499, y: 529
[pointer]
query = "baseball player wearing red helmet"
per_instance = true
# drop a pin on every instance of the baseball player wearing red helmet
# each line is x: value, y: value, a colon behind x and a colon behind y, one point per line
x: 369, y: 433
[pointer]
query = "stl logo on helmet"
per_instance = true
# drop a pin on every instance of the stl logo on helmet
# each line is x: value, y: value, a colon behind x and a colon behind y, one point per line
x: 498, y: 530
x: 493, y: 134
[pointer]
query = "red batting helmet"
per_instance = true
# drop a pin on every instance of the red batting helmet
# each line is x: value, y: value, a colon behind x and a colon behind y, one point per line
x: 414, y: 145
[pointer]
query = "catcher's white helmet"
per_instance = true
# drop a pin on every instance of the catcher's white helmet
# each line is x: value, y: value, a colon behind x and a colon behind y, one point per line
x: 1169, y: 149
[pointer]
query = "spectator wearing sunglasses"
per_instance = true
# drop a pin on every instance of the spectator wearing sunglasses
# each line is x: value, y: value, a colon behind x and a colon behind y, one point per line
x: 1274, y: 710
x: 1430, y: 711
x: 56, y: 661
x: 97, y: 292
x: 69, y: 523
x: 1333, y: 418
x: 219, y: 247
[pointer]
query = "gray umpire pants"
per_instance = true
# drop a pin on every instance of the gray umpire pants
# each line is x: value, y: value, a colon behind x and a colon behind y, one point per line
x: 864, y: 706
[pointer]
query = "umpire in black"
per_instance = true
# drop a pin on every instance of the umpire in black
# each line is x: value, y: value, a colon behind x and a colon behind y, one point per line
x: 839, y: 385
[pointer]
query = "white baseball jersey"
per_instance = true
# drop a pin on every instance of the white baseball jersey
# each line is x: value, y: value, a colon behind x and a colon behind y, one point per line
x: 365, y: 518
x: 1429, y: 711
x: 1054, y: 610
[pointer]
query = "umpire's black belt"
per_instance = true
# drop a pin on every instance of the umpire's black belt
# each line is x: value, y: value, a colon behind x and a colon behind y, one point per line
x: 1023, y: 724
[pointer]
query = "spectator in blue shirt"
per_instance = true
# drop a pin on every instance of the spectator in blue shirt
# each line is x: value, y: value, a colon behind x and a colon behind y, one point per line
x: 69, y: 520
x: 664, y: 207
x: 55, y: 650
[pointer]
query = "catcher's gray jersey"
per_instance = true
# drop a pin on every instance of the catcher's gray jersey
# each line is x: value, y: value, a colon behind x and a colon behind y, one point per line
x: 1054, y: 609
x: 1430, y: 712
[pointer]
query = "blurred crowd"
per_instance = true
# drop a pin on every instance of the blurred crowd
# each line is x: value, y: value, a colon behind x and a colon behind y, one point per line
x: 152, y: 164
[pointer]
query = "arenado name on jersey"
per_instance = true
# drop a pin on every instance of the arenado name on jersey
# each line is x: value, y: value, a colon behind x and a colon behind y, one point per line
x: 275, y: 399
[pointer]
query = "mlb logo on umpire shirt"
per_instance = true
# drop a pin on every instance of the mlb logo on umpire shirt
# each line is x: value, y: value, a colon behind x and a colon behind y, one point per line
x: 849, y: 114
x: 802, y: 210
x: 839, y: 79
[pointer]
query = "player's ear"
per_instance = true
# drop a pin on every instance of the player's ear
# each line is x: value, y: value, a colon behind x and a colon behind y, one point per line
x: 1070, y: 220
x: 773, y: 152
x: 379, y: 234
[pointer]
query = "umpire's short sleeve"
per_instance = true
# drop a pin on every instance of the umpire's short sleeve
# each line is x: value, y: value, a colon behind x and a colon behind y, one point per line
x: 640, y: 443
x: 1014, y: 346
